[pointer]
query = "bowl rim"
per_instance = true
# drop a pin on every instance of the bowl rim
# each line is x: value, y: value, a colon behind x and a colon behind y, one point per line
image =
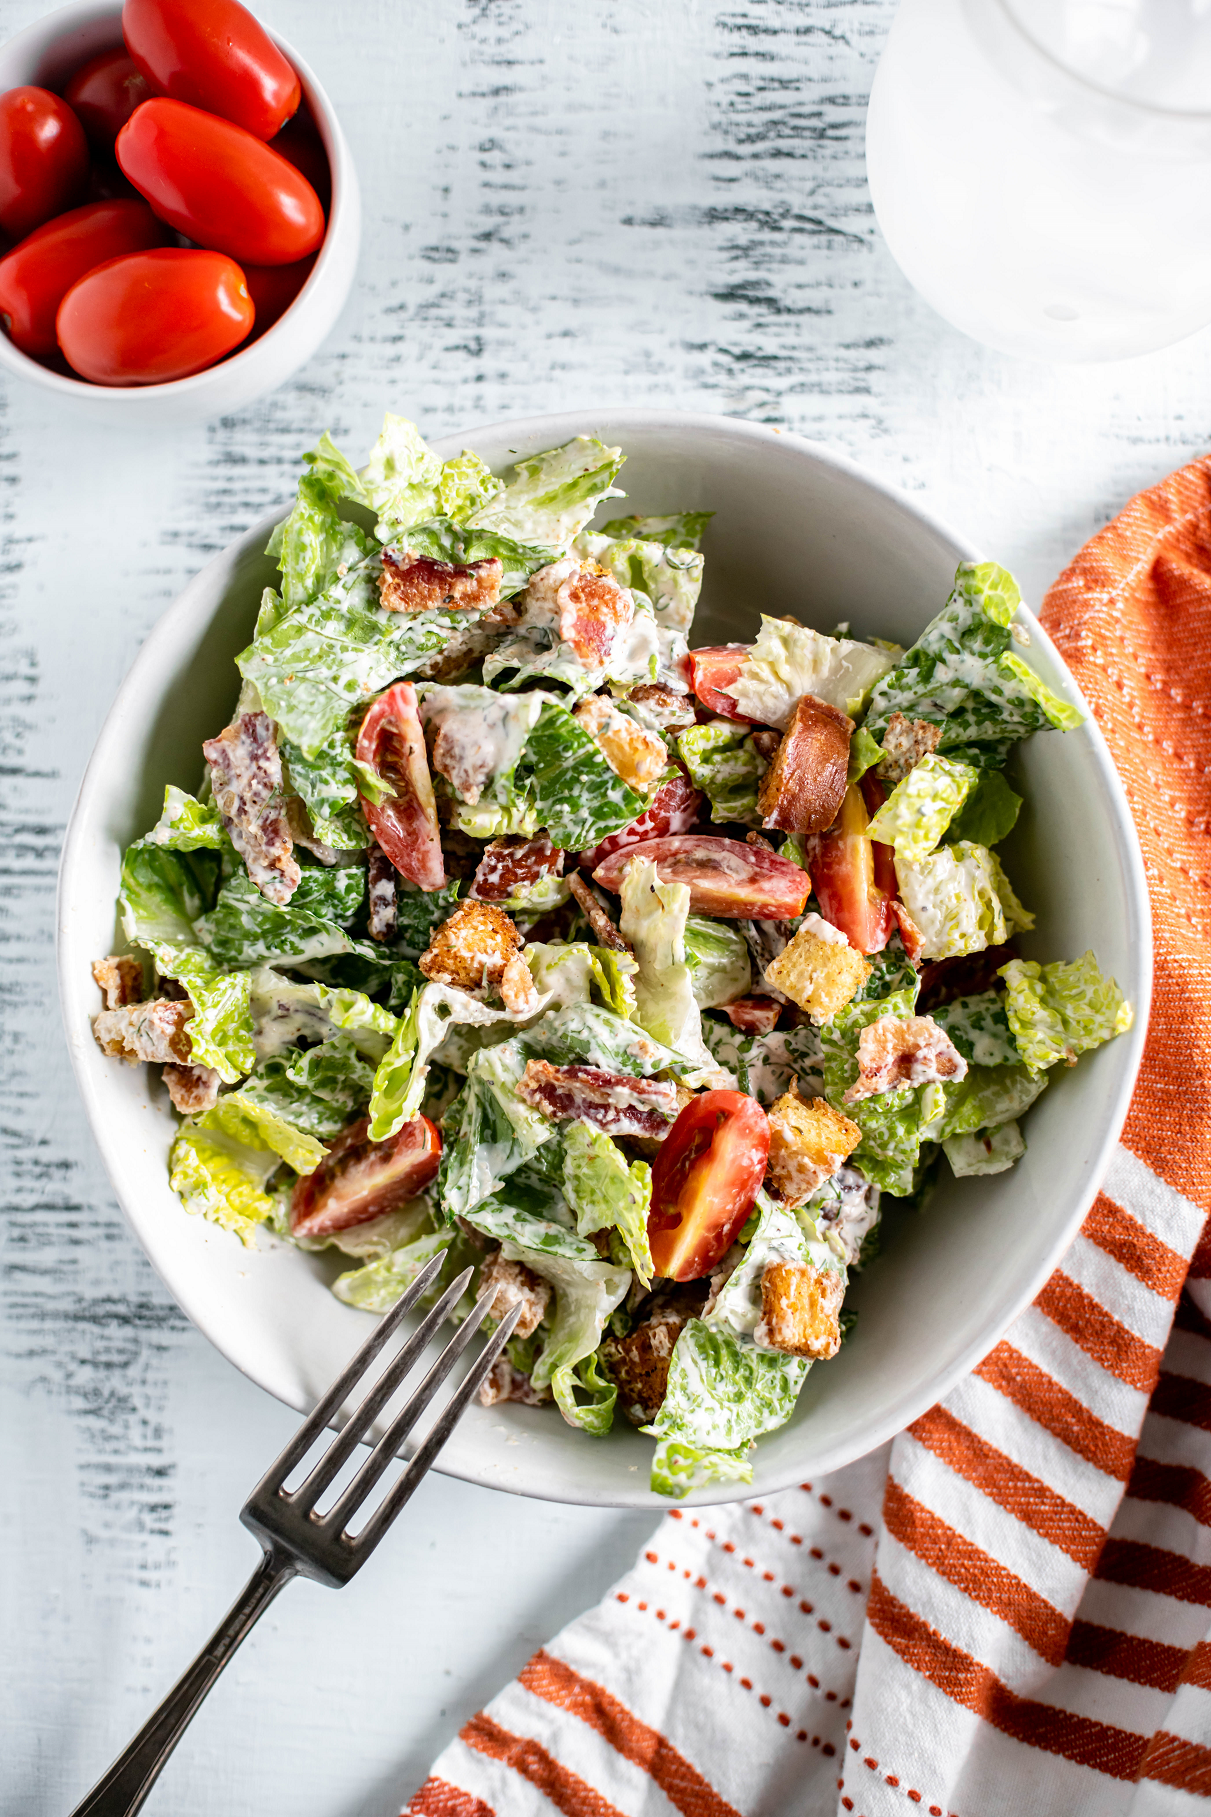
x: 340, y: 164
x: 556, y: 427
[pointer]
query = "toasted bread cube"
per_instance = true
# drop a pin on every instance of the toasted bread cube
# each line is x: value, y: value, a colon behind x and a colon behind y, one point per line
x: 804, y: 786
x: 472, y: 948
x: 905, y: 742
x: 640, y: 757
x: 121, y: 978
x: 639, y: 1362
x: 799, y: 1310
x: 192, y: 1089
x: 809, y: 1141
x: 146, y: 1031
x: 513, y: 1284
x: 819, y: 973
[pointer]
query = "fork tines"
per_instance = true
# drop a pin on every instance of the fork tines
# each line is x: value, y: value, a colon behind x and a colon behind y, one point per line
x: 320, y: 1544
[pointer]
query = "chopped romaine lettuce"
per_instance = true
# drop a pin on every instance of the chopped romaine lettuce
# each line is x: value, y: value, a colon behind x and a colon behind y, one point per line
x: 864, y: 750
x: 580, y: 973
x: 722, y: 1394
x: 979, y: 1029
x: 248, y: 1120
x: 789, y: 660
x: 327, y: 784
x: 223, y: 1178
x: 726, y: 765
x: 553, y: 495
x: 922, y: 806
x: 890, y: 1122
x: 987, y: 1097
x: 605, y: 1194
x: 952, y: 896
x: 163, y: 891
x: 717, y: 955
x: 677, y: 1467
x: 1059, y: 1011
x: 1018, y: 920
x: 990, y: 812
x: 401, y: 1081
x: 667, y: 574
x: 244, y: 928
x: 678, y: 530
x: 985, y: 1150
x: 379, y: 1283
x: 317, y: 1090
x: 653, y: 919
x: 187, y: 825
x: 576, y: 794
x: 220, y: 1032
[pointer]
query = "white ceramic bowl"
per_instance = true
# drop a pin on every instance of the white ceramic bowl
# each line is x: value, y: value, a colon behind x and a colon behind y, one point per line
x: 797, y: 530
x: 46, y: 53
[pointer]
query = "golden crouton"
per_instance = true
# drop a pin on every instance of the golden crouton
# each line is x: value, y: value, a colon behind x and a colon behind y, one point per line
x: 809, y: 1140
x: 819, y: 974
x: 905, y: 742
x: 805, y: 785
x: 640, y: 757
x: 192, y: 1089
x: 513, y: 1284
x: 121, y: 978
x: 799, y: 1308
x: 472, y: 948
x: 639, y: 1362
x: 145, y: 1031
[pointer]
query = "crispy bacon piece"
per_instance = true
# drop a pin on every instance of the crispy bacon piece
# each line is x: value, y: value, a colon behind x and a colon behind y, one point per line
x: 416, y: 583
x: 607, y: 934
x: 511, y: 867
x: 121, y: 978
x: 471, y: 948
x: 753, y: 1015
x: 905, y: 742
x: 903, y: 1050
x: 380, y: 877
x: 910, y: 933
x: 675, y: 809
x: 640, y: 757
x: 192, y: 1089
x: 613, y: 1102
x: 589, y: 607
x: 945, y: 980
x: 661, y: 707
x: 512, y: 1284
x: 804, y: 786
x: 146, y: 1031
x: 246, y: 776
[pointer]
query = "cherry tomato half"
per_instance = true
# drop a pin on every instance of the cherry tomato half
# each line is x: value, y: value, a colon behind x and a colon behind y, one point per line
x: 273, y: 289
x: 711, y: 670
x: 359, y: 1179
x: 43, y: 159
x: 104, y: 93
x: 220, y: 186
x: 154, y: 316
x: 405, y: 824
x: 213, y: 54
x: 37, y: 275
x: 726, y: 878
x: 850, y: 875
x: 704, y: 1182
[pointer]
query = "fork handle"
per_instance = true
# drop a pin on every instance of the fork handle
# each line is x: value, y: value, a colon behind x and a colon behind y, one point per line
x: 121, y: 1791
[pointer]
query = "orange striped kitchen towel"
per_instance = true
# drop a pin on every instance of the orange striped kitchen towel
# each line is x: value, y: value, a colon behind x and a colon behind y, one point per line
x: 1006, y: 1611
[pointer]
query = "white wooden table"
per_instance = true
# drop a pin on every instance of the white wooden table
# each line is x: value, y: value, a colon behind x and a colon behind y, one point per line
x: 564, y: 205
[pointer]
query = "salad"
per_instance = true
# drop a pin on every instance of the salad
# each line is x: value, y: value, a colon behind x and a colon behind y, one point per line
x: 639, y: 977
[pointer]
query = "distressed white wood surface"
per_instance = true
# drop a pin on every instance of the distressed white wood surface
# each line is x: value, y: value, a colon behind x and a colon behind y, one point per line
x: 564, y: 205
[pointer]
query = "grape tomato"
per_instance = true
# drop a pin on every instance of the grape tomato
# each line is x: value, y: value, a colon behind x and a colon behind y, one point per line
x: 215, y: 55
x: 37, y: 274
x: 43, y: 159
x: 104, y: 93
x: 705, y: 1180
x: 154, y: 316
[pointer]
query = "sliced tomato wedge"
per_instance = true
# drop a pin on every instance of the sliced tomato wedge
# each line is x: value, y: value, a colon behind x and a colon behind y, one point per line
x: 704, y: 1182
x: 359, y: 1179
x: 675, y: 809
x: 713, y: 669
x: 392, y: 743
x: 853, y: 877
x: 726, y: 877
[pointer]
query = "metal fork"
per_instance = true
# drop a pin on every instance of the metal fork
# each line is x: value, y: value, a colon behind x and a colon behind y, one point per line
x: 298, y: 1541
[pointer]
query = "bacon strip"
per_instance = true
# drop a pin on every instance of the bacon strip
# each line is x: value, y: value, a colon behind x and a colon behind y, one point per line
x: 607, y: 934
x: 613, y: 1102
x: 416, y: 583
x: 512, y: 866
x: 246, y: 776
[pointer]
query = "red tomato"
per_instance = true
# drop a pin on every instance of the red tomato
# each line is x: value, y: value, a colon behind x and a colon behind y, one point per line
x: 713, y: 669
x: 154, y: 316
x: 727, y: 878
x: 213, y: 54
x: 853, y: 891
x: 704, y: 1181
x: 358, y: 1179
x: 273, y: 289
x: 299, y: 142
x: 37, y: 274
x: 675, y: 808
x: 218, y: 185
x: 104, y: 93
x: 405, y: 824
x: 43, y: 159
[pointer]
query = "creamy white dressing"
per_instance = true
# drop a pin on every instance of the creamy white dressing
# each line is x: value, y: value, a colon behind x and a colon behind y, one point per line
x: 482, y: 733
x: 823, y: 930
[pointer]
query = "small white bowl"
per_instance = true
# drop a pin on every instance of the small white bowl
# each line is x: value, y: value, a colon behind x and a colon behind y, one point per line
x: 47, y: 53
x: 798, y: 530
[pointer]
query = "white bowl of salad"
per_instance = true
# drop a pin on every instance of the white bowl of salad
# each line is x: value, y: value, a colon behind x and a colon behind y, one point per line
x: 648, y: 859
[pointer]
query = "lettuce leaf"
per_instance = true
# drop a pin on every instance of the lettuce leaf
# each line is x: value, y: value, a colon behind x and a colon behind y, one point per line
x: 220, y: 1033
x: 668, y: 574
x: 249, y: 1120
x: 285, y: 1011
x: 327, y: 785
x: 677, y: 1467
x: 789, y: 660
x: 952, y: 896
x: 187, y: 825
x: 653, y: 920
x: 315, y: 1090
x: 985, y: 1150
x: 979, y: 1028
x: 605, y: 1194
x: 722, y: 1394
x: 401, y: 1081
x: 552, y: 495
x: 1061, y: 1010
x: 765, y: 1065
x: 576, y: 794
x: 716, y: 953
x: 780, y: 1235
x: 726, y: 765
x: 986, y: 1098
x: 379, y: 1283
x: 990, y: 812
x: 961, y: 673
x: 223, y: 1178
x: 582, y: 973
x: 920, y: 808
x: 244, y: 928
x: 677, y: 530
